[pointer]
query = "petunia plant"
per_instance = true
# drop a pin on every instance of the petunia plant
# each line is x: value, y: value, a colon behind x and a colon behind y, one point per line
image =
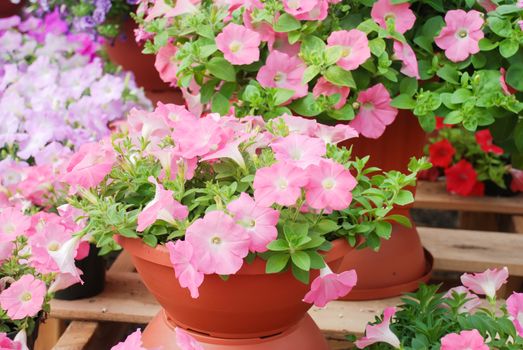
x: 37, y: 254
x: 332, y: 60
x: 98, y: 17
x: 472, y: 163
x: 455, y: 320
x: 55, y: 95
x: 219, y: 191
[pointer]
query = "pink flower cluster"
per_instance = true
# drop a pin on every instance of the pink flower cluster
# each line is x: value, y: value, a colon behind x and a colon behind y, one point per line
x: 485, y: 283
x: 51, y: 250
x: 301, y: 177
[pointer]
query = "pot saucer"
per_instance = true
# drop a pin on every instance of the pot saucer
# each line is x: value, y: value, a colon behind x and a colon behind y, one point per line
x: 395, y: 290
x: 160, y: 333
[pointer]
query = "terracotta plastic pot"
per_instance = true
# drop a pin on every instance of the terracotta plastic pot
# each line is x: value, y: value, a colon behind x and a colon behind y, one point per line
x: 401, y: 263
x: 93, y: 268
x: 8, y: 9
x: 305, y: 335
x: 127, y: 53
x: 250, y: 304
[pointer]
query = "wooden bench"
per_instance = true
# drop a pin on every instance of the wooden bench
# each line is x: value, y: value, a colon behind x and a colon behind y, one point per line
x: 125, y: 298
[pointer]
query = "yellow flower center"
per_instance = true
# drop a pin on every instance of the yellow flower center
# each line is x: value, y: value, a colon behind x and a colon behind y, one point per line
x: 26, y: 296
x: 328, y: 183
x: 278, y: 77
x: 216, y: 240
x: 463, y: 33
x: 282, y: 184
x: 346, y: 51
x: 53, y: 246
x: 235, y: 46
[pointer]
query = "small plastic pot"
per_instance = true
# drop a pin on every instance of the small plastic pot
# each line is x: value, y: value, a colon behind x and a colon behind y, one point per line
x: 93, y: 268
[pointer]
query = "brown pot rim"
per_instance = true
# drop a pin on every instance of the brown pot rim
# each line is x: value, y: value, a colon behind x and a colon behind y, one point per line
x: 396, y: 290
x: 160, y: 254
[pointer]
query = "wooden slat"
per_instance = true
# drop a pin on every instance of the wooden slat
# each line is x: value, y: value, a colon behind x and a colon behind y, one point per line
x: 432, y: 195
x: 517, y: 222
x: 464, y: 250
x: 77, y: 336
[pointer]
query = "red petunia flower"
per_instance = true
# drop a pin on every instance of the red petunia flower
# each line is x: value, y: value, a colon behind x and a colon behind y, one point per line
x: 441, y: 153
x: 485, y: 141
x: 462, y: 179
x: 440, y: 124
x: 431, y: 174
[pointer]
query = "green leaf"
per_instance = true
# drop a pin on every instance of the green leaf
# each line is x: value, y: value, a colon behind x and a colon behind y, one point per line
x: 282, y: 96
x: 310, y: 73
x: 301, y: 275
x: 460, y: 95
x: 500, y: 26
x: 221, y: 69
x: 513, y: 76
x: 400, y: 219
x: 317, y: 261
x: 453, y: 117
x: 408, y: 86
x: 312, y: 46
x: 326, y: 226
x: 486, y: 44
x: 286, y: 23
x: 220, y: 104
x: 127, y: 232
x: 518, y: 136
x: 340, y: 77
x: 150, y: 240
x: 278, y: 245
x: 404, y: 197
x: 403, y: 102
x: 277, y: 262
x: 294, y: 230
x: 307, y: 106
x: 333, y: 54
x: 377, y: 46
x: 383, y: 229
x: 508, y: 48
x: 301, y: 259
x: 449, y: 73
x: 344, y: 113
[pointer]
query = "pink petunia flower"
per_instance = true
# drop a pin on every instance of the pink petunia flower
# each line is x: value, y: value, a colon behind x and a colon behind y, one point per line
x: 380, y: 333
x: 503, y: 82
x: 471, y: 340
x: 23, y: 298
x: 150, y: 126
x: 335, y: 134
x: 280, y: 183
x: 239, y: 44
x: 299, y: 7
x: 330, y: 286
x: 49, y: 239
x: 64, y: 280
x: 88, y: 167
x: 8, y: 344
x: 133, y: 342
x: 299, y: 125
x: 259, y: 221
x: 473, y: 301
x: 264, y: 29
x: 283, y: 71
x: 165, y: 63
x: 162, y: 207
x: 198, y: 138
x: 64, y: 257
x: 461, y: 35
x: 13, y: 223
x: 355, y: 47
x: 516, y: 185
x: 485, y: 283
x: 182, y: 257
x: 300, y: 150
x: 515, y: 310
x: 403, y: 17
x: 375, y: 112
x: 280, y: 43
x: 330, y: 186
x: 219, y: 243
x: 487, y: 5
x: 6, y: 250
x: 324, y: 88
x: 185, y: 341
x: 173, y: 114
x: 404, y: 53
x: 317, y: 13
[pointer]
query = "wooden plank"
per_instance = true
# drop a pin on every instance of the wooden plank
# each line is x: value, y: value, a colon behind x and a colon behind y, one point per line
x: 340, y: 318
x: 125, y: 299
x: 517, y: 223
x: 473, y: 251
x: 432, y: 195
x: 123, y: 263
x: 49, y: 333
x: 77, y: 336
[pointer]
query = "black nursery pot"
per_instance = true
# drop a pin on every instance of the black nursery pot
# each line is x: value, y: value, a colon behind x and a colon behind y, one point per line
x: 93, y: 268
x: 31, y: 338
x: 493, y: 190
